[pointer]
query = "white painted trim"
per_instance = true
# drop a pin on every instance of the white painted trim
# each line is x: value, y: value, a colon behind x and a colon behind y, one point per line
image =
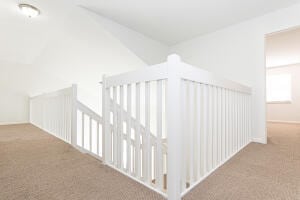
x: 174, y: 126
x: 68, y: 90
x: 259, y: 140
x: 185, y: 71
x: 174, y: 71
x: 208, y: 174
x: 155, y: 72
x: 88, y: 111
x: 13, y: 123
x: 280, y: 102
x: 196, y: 74
x: 281, y: 121
x: 281, y: 66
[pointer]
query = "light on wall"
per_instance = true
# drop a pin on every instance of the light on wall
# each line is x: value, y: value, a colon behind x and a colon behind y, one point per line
x: 29, y: 10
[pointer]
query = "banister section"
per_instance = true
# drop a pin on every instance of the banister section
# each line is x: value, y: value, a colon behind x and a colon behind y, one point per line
x: 202, y: 76
x: 201, y: 120
x: 89, y: 112
x: 216, y: 109
x: 151, y: 73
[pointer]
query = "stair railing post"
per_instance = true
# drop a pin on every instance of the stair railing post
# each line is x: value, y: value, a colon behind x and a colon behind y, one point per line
x: 106, y: 145
x: 174, y: 126
x: 74, y: 116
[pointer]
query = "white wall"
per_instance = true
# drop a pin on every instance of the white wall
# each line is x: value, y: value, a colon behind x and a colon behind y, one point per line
x: 105, y: 47
x: 286, y: 112
x: 17, y: 81
x: 13, y: 98
x: 14, y: 107
x: 149, y: 50
x: 81, y: 53
x: 237, y: 52
x: 71, y: 46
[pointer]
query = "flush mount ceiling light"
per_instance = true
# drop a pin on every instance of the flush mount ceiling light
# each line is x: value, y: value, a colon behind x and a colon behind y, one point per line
x: 29, y: 10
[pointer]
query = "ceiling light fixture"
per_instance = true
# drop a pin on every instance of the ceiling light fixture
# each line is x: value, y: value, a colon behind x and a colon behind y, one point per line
x: 29, y: 10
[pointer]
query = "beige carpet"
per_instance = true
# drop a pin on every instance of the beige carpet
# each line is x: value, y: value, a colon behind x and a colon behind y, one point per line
x: 258, y: 172
x: 37, y: 166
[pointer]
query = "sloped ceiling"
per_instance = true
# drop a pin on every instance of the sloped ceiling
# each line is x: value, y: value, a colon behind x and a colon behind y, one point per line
x: 174, y: 21
x: 64, y: 45
x: 23, y: 39
x: 68, y: 44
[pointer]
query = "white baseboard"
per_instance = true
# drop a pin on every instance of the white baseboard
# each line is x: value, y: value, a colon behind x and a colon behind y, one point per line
x: 259, y: 140
x: 280, y: 121
x: 13, y: 123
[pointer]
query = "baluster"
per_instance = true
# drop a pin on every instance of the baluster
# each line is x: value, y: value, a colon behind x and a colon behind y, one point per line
x: 210, y: 129
x: 191, y: 130
x: 240, y: 118
x: 223, y: 132
x: 159, y: 159
x: 198, y: 125
x: 215, y: 127
x: 128, y: 132
x: 227, y: 123
x: 205, y: 97
x: 184, y: 127
x: 97, y: 138
x: 121, y: 131
x: 231, y: 105
x: 147, y: 147
x: 90, y: 135
x: 219, y: 135
x: 115, y: 137
x: 82, y: 130
x: 138, y: 134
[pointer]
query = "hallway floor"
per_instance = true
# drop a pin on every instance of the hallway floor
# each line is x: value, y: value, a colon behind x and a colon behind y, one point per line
x: 258, y: 172
x: 37, y: 166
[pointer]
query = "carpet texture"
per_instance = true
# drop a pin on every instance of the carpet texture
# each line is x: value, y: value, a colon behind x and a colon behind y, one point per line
x: 38, y: 166
x: 258, y: 172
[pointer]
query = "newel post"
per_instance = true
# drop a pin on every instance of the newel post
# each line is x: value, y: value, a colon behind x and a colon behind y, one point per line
x: 74, y: 116
x: 105, y: 122
x: 174, y: 123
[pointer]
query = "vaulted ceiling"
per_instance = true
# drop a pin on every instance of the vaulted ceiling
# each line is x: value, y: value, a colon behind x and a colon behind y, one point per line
x: 23, y: 39
x: 173, y: 21
x: 169, y: 21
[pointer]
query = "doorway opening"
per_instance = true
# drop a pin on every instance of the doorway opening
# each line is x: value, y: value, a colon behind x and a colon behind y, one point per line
x: 282, y: 80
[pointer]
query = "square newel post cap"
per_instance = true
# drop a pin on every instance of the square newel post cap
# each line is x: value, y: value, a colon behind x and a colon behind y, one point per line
x: 174, y: 58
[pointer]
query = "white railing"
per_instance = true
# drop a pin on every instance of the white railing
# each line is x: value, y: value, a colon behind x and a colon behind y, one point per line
x: 216, y: 123
x: 61, y: 114
x: 173, y: 123
x: 89, y: 131
x: 52, y: 112
x: 166, y: 126
x: 134, y: 147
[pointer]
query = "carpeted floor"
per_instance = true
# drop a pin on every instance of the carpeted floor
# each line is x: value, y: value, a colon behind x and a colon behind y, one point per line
x: 258, y: 172
x: 37, y: 166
